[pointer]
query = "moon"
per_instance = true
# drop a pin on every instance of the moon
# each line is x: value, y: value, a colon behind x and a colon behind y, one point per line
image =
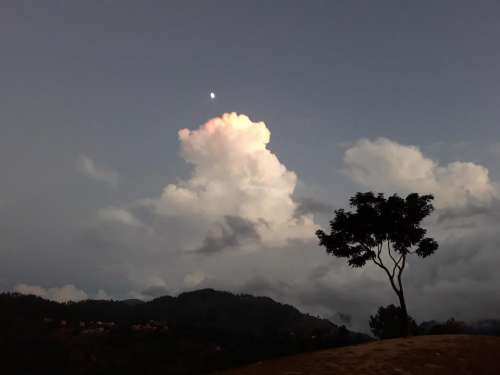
x: 212, y: 95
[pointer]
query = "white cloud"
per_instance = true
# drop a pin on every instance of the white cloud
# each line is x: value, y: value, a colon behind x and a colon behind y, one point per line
x: 235, y: 174
x: 60, y: 294
x: 102, y: 295
x: 387, y: 166
x: 194, y: 279
x: 118, y: 215
x: 89, y: 168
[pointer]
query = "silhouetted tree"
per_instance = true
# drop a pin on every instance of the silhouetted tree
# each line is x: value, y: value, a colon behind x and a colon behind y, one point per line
x: 383, y: 230
x: 391, y: 322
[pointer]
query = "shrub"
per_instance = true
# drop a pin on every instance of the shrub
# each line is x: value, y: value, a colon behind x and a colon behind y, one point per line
x: 390, y: 322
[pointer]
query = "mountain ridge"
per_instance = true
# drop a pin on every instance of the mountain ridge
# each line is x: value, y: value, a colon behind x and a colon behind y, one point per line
x: 195, y: 332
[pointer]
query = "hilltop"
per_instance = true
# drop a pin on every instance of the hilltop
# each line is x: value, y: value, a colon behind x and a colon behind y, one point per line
x: 430, y: 355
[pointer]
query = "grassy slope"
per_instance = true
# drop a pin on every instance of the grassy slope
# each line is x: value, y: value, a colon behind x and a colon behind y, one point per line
x: 428, y: 355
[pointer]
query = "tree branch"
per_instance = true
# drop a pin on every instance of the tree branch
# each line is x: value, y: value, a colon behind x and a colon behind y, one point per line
x: 401, y: 268
x: 396, y: 263
x: 378, y: 261
x: 389, y: 251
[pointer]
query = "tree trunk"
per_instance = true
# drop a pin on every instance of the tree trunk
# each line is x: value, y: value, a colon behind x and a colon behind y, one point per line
x: 399, y: 291
x: 402, y: 304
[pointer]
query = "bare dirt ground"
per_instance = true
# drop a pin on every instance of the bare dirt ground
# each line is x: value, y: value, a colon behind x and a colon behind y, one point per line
x: 426, y: 355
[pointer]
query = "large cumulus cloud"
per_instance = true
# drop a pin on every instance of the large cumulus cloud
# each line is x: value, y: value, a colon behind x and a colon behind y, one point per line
x: 236, y: 175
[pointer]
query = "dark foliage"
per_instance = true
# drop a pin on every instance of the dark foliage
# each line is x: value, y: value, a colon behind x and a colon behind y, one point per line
x: 390, y: 322
x: 490, y: 327
x: 193, y: 333
x: 450, y: 327
x: 376, y: 219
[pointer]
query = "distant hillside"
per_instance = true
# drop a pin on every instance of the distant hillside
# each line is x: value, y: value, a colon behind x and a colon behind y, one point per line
x: 429, y: 355
x: 193, y: 333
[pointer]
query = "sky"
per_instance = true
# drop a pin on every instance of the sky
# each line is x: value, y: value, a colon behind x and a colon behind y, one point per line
x: 122, y: 178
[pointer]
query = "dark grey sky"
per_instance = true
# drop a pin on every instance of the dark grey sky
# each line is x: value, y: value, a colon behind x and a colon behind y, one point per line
x: 113, y: 82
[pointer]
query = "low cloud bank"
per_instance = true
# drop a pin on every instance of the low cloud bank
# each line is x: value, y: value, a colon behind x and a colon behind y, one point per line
x: 60, y: 294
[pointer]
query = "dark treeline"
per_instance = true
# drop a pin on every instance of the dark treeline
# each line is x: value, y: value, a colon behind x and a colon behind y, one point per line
x: 487, y: 327
x: 390, y: 322
x: 195, y: 332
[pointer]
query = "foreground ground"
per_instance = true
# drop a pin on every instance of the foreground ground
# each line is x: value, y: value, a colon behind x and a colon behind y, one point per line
x: 428, y: 355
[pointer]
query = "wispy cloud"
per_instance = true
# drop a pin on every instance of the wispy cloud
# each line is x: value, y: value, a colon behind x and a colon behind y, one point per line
x: 118, y: 215
x: 89, y: 168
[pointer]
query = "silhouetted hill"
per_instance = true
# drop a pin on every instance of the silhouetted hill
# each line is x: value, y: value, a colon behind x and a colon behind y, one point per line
x: 195, y: 332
